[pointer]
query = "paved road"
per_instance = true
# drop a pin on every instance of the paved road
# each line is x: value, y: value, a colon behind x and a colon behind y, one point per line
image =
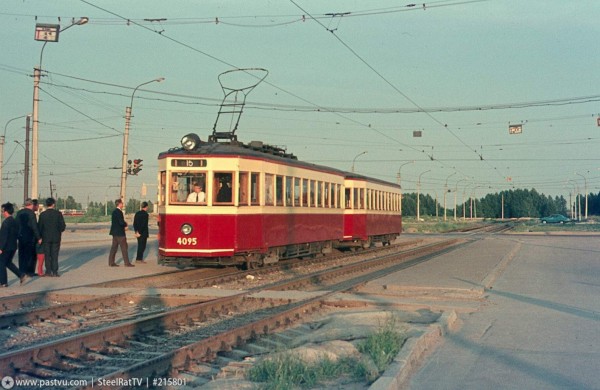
x: 538, y: 329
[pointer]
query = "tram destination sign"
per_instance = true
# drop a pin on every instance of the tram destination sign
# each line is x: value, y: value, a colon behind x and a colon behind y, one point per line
x: 188, y: 163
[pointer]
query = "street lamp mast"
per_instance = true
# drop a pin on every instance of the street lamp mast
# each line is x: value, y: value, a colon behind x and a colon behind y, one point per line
x: 419, y: 195
x: 126, y: 138
x: 455, y: 192
x: 400, y: 182
x: 46, y: 33
x: 445, y: 192
x: 586, y: 195
x: 357, y: 156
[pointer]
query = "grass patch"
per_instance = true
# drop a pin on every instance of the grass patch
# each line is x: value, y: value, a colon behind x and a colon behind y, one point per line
x: 535, y: 226
x: 383, y: 345
x: 432, y: 225
x: 288, y: 370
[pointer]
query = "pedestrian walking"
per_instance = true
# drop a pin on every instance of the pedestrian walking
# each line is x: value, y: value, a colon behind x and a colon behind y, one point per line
x: 9, y: 232
x: 117, y: 230
x: 29, y: 236
x: 140, y: 226
x: 51, y: 226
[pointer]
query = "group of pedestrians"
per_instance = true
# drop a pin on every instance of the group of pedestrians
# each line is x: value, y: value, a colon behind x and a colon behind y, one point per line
x: 30, y: 236
x: 118, y: 227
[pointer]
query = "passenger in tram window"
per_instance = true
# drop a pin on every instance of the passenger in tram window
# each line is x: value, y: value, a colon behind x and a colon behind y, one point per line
x: 196, y: 196
x: 224, y: 194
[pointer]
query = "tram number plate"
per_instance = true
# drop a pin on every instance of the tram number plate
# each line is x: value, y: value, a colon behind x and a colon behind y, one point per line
x: 188, y: 163
x: 187, y: 240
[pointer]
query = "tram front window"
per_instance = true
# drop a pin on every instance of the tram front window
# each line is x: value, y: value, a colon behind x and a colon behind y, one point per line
x: 188, y: 187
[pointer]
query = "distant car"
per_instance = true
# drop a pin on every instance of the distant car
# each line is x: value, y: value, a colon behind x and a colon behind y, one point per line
x: 555, y: 218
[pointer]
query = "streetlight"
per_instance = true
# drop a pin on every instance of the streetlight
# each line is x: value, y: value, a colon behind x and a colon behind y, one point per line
x: 445, y: 192
x: 126, y: 138
x: 456, y: 192
x: 571, y: 204
x: 46, y: 33
x: 400, y: 182
x: 464, y: 204
x: 577, y: 205
x: 357, y: 156
x: 419, y: 196
x: 586, y: 195
x: 2, y: 142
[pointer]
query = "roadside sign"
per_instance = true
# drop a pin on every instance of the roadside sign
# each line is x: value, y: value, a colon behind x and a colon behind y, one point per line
x: 47, y: 32
x: 515, y: 129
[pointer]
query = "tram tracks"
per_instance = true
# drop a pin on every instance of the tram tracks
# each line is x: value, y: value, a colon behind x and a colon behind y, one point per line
x: 182, y: 338
x: 73, y: 309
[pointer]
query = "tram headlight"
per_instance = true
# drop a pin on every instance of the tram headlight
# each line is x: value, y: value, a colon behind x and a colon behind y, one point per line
x: 190, y: 141
x: 186, y: 229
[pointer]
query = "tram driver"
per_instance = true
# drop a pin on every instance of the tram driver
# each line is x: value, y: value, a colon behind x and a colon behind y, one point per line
x: 197, y: 196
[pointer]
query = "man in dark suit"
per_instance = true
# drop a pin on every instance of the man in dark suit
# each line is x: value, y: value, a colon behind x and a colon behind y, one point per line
x: 9, y: 232
x: 140, y: 226
x: 28, y: 237
x: 117, y: 230
x: 51, y: 225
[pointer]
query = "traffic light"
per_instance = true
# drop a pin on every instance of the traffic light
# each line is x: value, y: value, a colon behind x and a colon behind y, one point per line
x: 129, y: 168
x: 137, y: 166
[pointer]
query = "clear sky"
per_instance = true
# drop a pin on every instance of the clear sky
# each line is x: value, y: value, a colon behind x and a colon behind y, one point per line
x: 345, y: 77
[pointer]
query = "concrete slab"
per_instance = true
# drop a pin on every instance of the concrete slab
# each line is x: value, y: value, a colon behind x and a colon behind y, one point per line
x: 539, y: 326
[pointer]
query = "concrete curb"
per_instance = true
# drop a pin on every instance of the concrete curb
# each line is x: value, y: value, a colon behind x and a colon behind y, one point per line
x: 413, y: 354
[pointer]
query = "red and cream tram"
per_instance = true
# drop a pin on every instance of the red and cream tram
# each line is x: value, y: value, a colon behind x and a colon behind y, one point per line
x: 228, y: 203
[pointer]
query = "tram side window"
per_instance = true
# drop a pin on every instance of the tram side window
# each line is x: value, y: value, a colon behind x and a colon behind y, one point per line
x: 297, y: 192
x: 279, y: 190
x: 162, y: 188
x: 182, y: 186
x: 332, y: 195
x: 326, y: 195
x: 255, y: 188
x: 243, y: 191
x: 222, y: 187
x: 347, y: 194
x: 289, y: 191
x: 269, y: 189
x: 318, y: 198
x: 305, y: 200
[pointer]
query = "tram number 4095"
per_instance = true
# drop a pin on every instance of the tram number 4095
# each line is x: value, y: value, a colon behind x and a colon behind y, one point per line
x: 187, y: 240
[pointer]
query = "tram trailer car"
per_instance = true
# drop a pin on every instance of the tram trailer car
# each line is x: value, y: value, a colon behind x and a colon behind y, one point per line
x: 261, y: 205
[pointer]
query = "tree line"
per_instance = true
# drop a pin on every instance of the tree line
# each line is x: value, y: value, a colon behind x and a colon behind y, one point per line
x: 517, y: 203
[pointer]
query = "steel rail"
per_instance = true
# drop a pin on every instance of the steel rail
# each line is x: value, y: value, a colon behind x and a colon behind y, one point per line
x: 52, y: 354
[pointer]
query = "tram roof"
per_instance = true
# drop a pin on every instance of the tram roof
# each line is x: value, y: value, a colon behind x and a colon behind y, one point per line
x: 259, y: 150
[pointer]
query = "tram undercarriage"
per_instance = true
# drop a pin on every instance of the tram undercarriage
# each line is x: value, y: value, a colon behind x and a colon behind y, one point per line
x: 252, y: 260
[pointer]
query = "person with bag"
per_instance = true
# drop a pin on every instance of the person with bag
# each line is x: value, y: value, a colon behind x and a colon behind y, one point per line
x: 51, y: 225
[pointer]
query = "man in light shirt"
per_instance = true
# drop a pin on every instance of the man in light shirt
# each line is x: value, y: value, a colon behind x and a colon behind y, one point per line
x: 197, y: 196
